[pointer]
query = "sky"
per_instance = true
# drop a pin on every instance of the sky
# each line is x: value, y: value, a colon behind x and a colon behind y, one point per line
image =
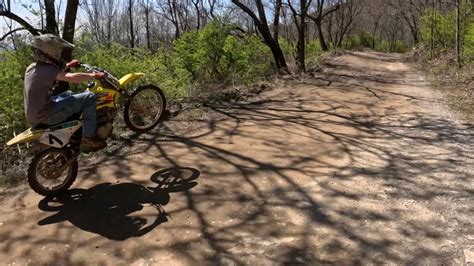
x: 18, y: 7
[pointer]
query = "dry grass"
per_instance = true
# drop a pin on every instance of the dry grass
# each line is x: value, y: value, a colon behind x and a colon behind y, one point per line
x: 456, y: 83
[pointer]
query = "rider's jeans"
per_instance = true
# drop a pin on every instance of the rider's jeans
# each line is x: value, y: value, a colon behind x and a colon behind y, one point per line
x: 68, y: 104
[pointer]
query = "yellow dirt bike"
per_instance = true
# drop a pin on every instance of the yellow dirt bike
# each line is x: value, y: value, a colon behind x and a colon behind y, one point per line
x: 54, y: 169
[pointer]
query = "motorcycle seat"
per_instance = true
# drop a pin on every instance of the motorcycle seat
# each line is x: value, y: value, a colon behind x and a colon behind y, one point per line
x: 46, y: 126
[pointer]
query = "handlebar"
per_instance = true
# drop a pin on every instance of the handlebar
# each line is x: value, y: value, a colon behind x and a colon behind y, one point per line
x: 108, y: 80
x: 90, y: 68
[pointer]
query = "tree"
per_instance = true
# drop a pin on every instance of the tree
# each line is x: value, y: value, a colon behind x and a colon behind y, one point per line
x: 411, y: 11
x: 146, y: 10
x: 276, y: 19
x: 101, y: 14
x: 299, y: 19
x: 70, y: 25
x: 318, y: 13
x: 340, y: 21
x: 130, y: 16
x: 376, y: 11
x: 5, y: 11
x: 261, y: 23
x: 51, y: 24
x: 458, y: 33
x: 169, y: 10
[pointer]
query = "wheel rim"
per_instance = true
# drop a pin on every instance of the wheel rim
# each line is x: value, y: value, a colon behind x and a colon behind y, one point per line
x: 145, y: 108
x: 47, y: 170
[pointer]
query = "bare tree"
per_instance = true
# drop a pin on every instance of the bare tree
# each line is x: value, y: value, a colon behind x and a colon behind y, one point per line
x: 261, y: 23
x: 169, y: 10
x: 51, y: 24
x: 70, y: 25
x: 276, y: 19
x: 458, y: 32
x: 411, y: 11
x: 376, y: 10
x: 340, y: 21
x: 299, y: 18
x: 100, y: 17
x: 319, y: 11
x: 130, y: 16
x: 5, y: 11
x: 146, y: 7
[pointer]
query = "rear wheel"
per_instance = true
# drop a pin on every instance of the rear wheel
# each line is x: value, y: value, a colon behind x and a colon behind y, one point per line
x: 145, y: 109
x: 46, y: 175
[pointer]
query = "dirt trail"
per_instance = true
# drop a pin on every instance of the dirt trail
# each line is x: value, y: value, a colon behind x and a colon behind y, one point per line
x: 362, y: 164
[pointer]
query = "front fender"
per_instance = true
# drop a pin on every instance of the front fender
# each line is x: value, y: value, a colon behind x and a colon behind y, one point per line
x: 127, y: 79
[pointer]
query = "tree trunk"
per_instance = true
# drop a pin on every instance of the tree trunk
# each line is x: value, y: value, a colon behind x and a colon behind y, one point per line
x: 458, y: 32
x: 277, y: 53
x: 276, y: 20
x: 198, y: 14
x: 70, y: 26
x: 260, y: 22
x: 130, y: 15
x: 51, y: 24
x: 147, y: 27
x: 301, y: 56
x: 322, y: 41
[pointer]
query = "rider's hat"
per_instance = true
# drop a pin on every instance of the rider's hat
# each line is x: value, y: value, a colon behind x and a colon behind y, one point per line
x: 51, y: 46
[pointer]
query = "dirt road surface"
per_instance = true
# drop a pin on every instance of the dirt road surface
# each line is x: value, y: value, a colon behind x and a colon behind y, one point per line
x: 360, y: 164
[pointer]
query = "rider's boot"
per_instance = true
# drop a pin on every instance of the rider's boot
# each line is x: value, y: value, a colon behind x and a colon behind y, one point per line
x: 92, y: 144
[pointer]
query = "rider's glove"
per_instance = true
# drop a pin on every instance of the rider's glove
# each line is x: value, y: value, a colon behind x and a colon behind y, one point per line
x: 73, y: 64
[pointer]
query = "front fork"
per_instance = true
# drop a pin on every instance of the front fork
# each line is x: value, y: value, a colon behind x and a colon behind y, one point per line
x: 75, y: 152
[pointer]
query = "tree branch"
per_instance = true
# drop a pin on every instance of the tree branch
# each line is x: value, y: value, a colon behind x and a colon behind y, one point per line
x: 248, y: 11
x: 9, y: 33
x: 20, y: 21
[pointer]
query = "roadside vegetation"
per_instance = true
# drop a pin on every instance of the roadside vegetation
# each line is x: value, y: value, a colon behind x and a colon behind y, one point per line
x: 450, y: 67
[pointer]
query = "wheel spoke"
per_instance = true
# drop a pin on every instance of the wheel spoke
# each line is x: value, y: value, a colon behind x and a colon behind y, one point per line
x: 145, y: 108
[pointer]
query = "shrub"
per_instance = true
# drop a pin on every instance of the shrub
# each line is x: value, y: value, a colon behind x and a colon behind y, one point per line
x: 211, y: 55
x: 443, y: 25
x: 12, y: 68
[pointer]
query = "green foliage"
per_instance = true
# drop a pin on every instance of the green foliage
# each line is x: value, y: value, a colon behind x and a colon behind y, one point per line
x: 313, y: 50
x: 367, y: 40
x: 12, y: 68
x: 469, y: 41
x: 439, y: 26
x: 212, y: 55
x: 468, y: 37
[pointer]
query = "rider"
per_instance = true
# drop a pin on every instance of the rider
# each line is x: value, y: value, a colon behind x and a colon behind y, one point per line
x: 40, y: 77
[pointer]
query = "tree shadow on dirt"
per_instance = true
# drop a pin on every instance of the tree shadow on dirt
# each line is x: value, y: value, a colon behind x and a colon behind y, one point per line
x: 311, y: 174
x: 119, y: 211
x: 347, y: 175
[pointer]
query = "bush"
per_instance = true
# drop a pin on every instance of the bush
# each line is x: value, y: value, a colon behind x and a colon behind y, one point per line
x: 211, y: 55
x: 443, y: 26
x: 12, y: 68
x: 313, y: 50
x: 468, y: 45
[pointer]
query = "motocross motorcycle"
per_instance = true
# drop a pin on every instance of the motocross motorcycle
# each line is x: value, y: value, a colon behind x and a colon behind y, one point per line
x: 54, y: 168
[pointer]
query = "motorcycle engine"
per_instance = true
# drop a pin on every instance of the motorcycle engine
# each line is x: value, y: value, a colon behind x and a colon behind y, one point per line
x: 105, y: 120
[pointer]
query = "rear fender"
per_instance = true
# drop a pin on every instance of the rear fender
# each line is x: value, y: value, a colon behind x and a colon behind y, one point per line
x: 27, y: 136
x: 56, y: 136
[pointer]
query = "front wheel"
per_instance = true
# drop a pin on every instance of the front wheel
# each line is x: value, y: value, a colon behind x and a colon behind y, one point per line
x: 46, y: 173
x: 145, y: 108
